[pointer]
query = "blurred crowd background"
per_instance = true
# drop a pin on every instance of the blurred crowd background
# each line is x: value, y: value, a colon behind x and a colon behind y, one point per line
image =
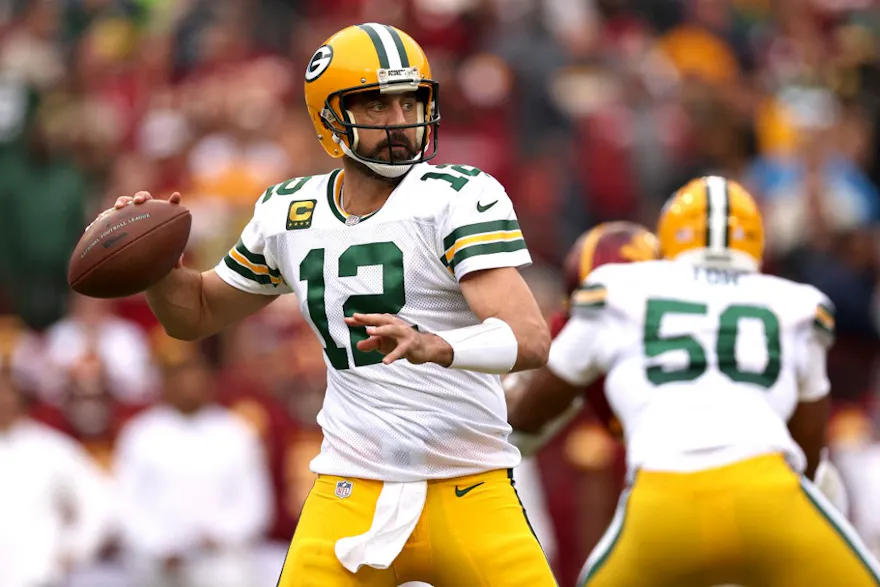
x: 586, y: 110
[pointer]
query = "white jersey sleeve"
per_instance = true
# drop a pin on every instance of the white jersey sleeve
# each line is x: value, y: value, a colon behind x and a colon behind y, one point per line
x: 479, y: 230
x: 578, y: 353
x: 815, y: 337
x: 251, y: 265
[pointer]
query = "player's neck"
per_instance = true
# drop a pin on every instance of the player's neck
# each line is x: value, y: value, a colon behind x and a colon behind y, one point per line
x: 364, y: 193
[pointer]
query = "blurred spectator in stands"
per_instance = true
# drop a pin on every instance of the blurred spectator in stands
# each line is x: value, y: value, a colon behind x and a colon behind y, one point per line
x: 816, y: 189
x: 42, y: 201
x: 705, y: 46
x: 87, y: 411
x: 55, y: 505
x: 252, y: 387
x: 856, y: 450
x: 274, y: 359
x: 121, y: 346
x: 31, y: 50
x: 246, y: 395
x: 21, y: 353
x: 194, y: 490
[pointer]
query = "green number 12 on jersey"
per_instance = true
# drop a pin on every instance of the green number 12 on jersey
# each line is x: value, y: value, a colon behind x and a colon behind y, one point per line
x: 392, y: 299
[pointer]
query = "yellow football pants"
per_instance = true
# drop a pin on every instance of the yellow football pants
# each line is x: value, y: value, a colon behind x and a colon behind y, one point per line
x: 754, y: 523
x: 473, y: 532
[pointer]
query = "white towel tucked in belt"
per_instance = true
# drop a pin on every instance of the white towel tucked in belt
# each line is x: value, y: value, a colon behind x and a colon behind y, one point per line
x: 398, y: 510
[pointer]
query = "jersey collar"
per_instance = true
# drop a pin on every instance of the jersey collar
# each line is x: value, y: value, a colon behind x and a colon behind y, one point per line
x: 334, y: 191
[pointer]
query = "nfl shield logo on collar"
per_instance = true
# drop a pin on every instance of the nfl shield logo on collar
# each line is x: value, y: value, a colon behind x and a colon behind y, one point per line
x: 343, y: 489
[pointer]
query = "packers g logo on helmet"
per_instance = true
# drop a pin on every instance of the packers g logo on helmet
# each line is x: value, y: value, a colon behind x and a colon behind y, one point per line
x: 713, y: 221
x: 319, y: 63
x: 362, y: 58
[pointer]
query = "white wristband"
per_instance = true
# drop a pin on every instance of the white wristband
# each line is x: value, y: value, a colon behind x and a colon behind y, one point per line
x: 489, y: 347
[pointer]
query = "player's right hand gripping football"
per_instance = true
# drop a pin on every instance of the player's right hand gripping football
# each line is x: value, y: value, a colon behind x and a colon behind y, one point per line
x: 140, y: 198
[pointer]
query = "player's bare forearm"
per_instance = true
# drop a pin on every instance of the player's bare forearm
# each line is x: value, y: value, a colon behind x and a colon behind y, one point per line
x: 191, y: 305
x: 178, y: 304
x: 540, y: 398
x: 807, y: 426
x: 503, y: 294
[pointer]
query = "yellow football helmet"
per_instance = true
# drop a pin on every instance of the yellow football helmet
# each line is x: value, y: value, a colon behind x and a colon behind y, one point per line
x: 370, y: 57
x: 713, y: 221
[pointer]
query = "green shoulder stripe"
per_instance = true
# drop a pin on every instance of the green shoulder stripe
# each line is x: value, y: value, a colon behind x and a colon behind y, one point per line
x: 590, y: 296
x: 486, y: 249
x: 255, y: 259
x: 261, y: 278
x: 824, y: 318
x: 478, y: 228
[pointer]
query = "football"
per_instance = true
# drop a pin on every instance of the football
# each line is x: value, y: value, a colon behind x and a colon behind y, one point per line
x: 125, y: 251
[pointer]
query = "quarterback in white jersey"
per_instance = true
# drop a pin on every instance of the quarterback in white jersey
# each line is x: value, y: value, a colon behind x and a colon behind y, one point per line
x: 394, y: 422
x: 717, y: 375
x: 408, y: 275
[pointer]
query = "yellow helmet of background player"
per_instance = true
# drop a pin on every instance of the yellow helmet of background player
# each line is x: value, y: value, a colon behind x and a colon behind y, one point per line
x: 370, y: 57
x: 713, y: 221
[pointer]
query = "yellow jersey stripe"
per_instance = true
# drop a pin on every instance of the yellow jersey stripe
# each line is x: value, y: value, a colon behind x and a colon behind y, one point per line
x: 589, y: 296
x: 258, y: 269
x: 824, y: 318
x: 499, y: 235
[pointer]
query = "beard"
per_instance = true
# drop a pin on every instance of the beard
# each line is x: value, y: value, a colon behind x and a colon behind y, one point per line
x: 396, y: 148
x: 401, y: 150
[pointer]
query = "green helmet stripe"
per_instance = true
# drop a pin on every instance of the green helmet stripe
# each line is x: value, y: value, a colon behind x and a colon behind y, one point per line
x: 377, y: 44
x: 717, y: 212
x: 398, y: 44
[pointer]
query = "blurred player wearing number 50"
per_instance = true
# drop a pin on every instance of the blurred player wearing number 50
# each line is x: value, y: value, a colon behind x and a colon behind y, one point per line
x: 391, y: 258
x: 706, y: 359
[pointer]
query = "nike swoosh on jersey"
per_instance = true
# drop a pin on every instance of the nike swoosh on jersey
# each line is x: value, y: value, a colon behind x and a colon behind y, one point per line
x: 463, y: 492
x: 481, y: 208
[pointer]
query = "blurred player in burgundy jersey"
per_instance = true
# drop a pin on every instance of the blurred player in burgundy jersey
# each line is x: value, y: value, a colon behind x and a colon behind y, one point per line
x: 611, y: 242
x: 584, y: 470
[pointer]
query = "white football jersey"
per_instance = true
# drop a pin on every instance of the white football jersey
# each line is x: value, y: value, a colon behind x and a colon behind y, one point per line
x: 399, y: 422
x: 704, y: 366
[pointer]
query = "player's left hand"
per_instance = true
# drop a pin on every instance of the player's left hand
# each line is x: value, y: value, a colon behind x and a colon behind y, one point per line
x: 396, y: 339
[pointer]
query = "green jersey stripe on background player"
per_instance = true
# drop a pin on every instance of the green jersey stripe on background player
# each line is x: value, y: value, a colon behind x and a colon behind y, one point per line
x: 590, y: 296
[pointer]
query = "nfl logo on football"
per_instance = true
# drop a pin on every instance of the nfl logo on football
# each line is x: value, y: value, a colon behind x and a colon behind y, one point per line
x: 343, y: 489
